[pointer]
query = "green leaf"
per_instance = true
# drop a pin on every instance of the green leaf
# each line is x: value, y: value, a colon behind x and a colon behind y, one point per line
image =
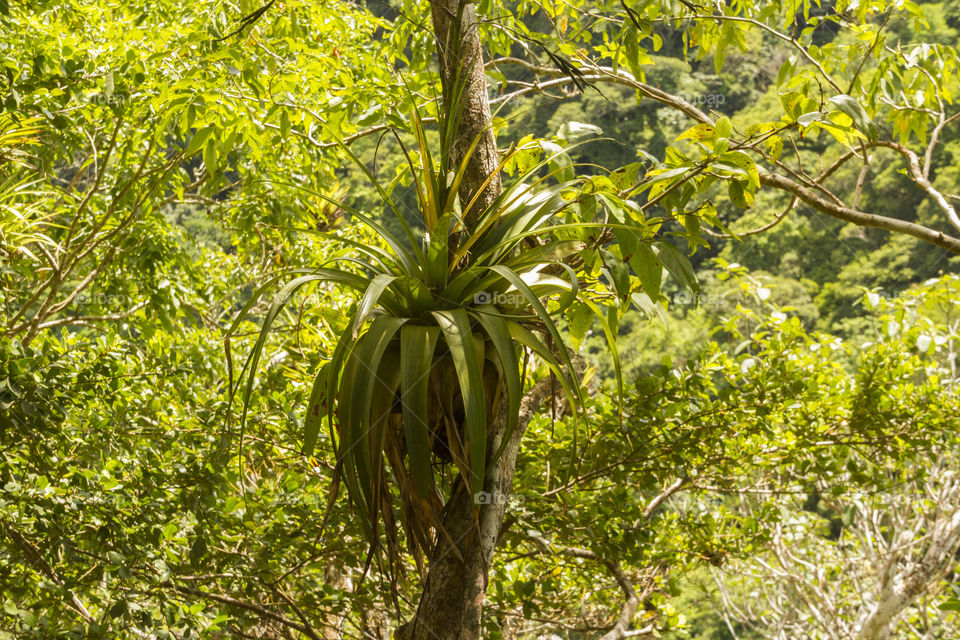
x: 806, y: 119
x: 281, y: 299
x: 198, y: 549
x: 619, y: 273
x: 386, y: 384
x: 677, y: 264
x: 786, y: 69
x: 355, y: 401
x: 699, y: 133
x: 198, y: 140
x: 573, y: 131
x: 455, y: 324
x: 610, y: 333
x: 650, y: 308
x: 386, y: 199
x: 538, y: 307
x: 118, y: 609
x: 579, y: 320
x: 210, y: 155
x: 649, y: 269
x: 438, y: 251
x: 950, y: 605
x: 315, y: 411
x: 368, y: 301
x: 498, y: 331
x: 559, y: 160
x: 738, y: 195
x: 852, y: 107
x: 745, y: 163
x: 527, y: 338
x: 723, y: 127
x: 417, y: 346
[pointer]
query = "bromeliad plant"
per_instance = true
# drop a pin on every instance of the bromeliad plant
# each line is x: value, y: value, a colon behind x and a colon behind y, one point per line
x: 434, y: 353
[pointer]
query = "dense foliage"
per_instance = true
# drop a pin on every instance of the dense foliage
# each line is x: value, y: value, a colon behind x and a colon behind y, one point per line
x: 762, y: 442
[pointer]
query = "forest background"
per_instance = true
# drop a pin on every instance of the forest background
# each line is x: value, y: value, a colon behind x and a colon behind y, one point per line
x: 780, y: 463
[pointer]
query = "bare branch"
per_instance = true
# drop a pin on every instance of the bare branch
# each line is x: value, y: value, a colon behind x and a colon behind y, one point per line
x: 920, y: 177
x: 861, y: 218
x: 752, y: 232
x: 596, y: 73
x: 793, y: 42
x: 677, y: 484
x: 88, y: 319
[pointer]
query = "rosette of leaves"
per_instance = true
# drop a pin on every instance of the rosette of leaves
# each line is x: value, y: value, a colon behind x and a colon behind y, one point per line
x: 435, y: 349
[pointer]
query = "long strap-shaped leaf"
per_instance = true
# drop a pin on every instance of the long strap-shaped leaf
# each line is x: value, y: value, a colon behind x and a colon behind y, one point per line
x: 369, y: 300
x: 410, y: 260
x: 282, y: 297
x: 438, y: 252
x: 553, y: 251
x: 355, y: 399
x: 496, y: 327
x: 385, y: 260
x: 315, y: 411
x: 487, y: 256
x: 386, y: 382
x: 384, y: 196
x: 358, y: 282
x: 455, y: 324
x: 417, y: 345
x: 429, y: 196
x: 611, y: 343
x: 574, y: 290
x: 528, y: 339
x: 347, y: 455
x: 508, y: 198
x: 532, y: 215
x: 551, y: 327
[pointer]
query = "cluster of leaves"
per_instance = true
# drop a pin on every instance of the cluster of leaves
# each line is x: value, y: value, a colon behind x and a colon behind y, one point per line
x: 746, y: 429
x: 436, y: 340
x: 118, y: 499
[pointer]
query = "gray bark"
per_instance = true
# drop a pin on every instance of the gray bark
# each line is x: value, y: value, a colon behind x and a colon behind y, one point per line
x: 451, y: 606
x: 459, y: 49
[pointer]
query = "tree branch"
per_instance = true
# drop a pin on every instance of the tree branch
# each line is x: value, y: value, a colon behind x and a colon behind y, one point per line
x: 89, y: 319
x: 861, y: 218
x: 920, y: 178
x: 598, y: 74
x: 249, y: 606
x: 36, y: 558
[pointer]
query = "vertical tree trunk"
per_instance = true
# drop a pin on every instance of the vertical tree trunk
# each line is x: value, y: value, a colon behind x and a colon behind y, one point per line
x: 451, y: 606
x: 459, y: 49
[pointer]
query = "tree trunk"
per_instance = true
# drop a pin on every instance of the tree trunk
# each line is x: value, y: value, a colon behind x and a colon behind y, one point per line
x: 452, y: 602
x: 459, y: 49
x: 451, y: 605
